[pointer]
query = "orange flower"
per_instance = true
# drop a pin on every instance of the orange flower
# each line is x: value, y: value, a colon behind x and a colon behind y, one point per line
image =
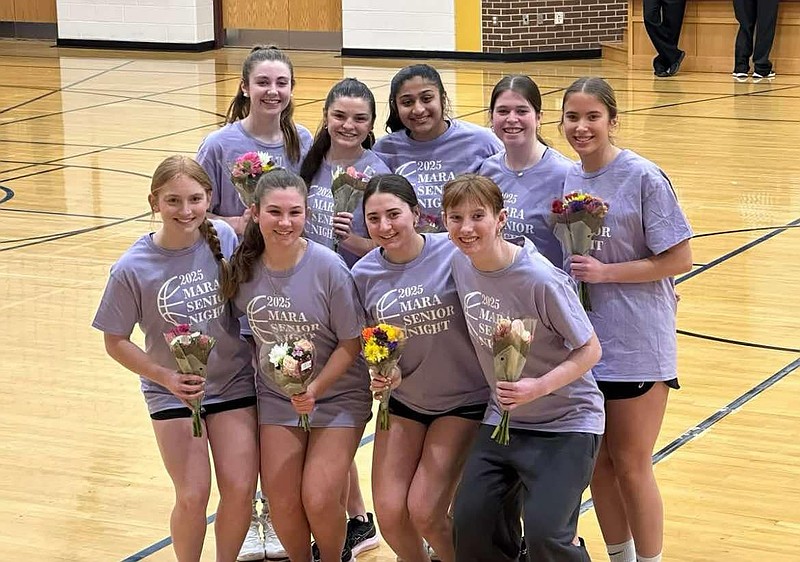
x: 366, y: 333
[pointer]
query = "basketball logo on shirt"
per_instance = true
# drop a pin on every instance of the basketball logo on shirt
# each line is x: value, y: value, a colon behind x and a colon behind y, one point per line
x: 271, y: 320
x: 189, y: 298
x: 384, y: 305
x: 482, y: 313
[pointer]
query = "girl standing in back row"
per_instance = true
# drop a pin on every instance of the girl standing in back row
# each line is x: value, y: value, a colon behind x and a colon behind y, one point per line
x: 259, y: 118
x: 528, y: 172
x: 426, y: 146
x: 644, y: 243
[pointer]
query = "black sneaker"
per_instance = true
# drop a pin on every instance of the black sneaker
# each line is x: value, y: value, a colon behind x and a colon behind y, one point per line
x: 347, y: 554
x: 361, y: 534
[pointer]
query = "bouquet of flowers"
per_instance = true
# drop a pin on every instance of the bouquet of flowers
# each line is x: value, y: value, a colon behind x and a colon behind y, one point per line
x: 383, y: 344
x: 348, y: 189
x: 246, y: 171
x: 511, y: 341
x: 291, y: 367
x: 191, y: 350
x: 576, y: 219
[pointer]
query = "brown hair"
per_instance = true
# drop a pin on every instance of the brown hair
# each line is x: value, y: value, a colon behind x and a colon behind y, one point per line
x: 252, y: 245
x: 596, y: 87
x: 179, y: 165
x: 472, y: 187
x: 240, y: 105
x: 525, y: 87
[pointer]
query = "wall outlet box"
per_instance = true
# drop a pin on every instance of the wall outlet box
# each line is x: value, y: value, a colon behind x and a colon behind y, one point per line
x: 558, y: 18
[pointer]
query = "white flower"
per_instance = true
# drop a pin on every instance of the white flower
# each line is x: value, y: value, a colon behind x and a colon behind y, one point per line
x: 277, y: 353
x: 518, y: 328
x: 264, y: 157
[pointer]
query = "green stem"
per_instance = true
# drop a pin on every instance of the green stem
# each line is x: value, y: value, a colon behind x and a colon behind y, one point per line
x: 583, y: 294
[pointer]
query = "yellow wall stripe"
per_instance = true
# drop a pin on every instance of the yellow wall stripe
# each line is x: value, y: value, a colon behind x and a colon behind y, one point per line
x: 468, y: 25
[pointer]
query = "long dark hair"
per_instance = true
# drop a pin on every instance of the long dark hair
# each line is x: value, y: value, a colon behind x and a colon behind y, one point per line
x: 525, y: 87
x: 252, y: 245
x: 427, y: 73
x: 347, y: 88
x: 239, y: 107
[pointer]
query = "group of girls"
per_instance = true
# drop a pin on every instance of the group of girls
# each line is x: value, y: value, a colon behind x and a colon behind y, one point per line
x: 438, y: 478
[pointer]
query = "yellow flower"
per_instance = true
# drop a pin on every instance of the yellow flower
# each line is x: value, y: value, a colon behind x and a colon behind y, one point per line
x: 391, y: 332
x: 375, y: 353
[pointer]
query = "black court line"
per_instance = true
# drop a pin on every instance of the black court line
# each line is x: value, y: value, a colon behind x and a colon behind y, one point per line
x: 53, y: 169
x: 740, y: 230
x: 81, y: 81
x: 60, y: 214
x: 56, y: 237
x: 738, y: 342
x: 721, y: 117
x: 736, y: 252
x: 715, y: 418
x: 7, y: 194
x: 121, y: 99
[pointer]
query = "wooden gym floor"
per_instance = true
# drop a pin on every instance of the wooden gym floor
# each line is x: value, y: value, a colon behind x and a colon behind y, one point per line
x: 80, y: 132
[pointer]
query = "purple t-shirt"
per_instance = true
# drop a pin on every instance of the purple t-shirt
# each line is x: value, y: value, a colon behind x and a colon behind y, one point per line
x: 320, y: 200
x: 528, y: 196
x: 219, y: 151
x: 531, y: 287
x: 439, y: 367
x: 635, y: 322
x: 316, y: 299
x: 159, y: 289
x: 428, y: 165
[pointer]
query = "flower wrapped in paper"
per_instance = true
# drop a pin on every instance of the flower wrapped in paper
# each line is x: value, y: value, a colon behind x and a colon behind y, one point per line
x: 347, y: 189
x: 383, y: 345
x: 246, y: 171
x: 576, y: 219
x: 511, y: 342
x: 191, y: 349
x: 291, y: 367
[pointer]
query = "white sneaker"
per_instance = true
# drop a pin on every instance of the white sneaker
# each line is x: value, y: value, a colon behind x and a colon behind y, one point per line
x: 253, y: 545
x: 272, y: 545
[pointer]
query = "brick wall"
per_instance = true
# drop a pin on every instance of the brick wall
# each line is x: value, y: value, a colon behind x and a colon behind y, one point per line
x: 586, y: 23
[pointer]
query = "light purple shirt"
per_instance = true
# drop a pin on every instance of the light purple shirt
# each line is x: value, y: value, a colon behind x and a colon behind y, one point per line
x: 319, y: 225
x: 428, y: 165
x: 439, y: 367
x: 219, y: 151
x: 531, y: 287
x: 528, y: 196
x: 159, y: 289
x: 316, y: 299
x: 635, y: 322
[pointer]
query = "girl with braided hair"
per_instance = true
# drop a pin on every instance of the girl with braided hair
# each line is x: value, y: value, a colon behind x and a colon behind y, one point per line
x: 171, y: 277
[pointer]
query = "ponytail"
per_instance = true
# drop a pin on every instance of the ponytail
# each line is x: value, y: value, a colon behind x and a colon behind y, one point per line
x: 239, y: 107
x: 244, y: 258
x: 316, y: 154
x: 291, y: 140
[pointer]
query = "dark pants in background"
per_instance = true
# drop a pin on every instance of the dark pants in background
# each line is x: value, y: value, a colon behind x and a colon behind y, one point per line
x: 663, y: 20
x: 759, y: 18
